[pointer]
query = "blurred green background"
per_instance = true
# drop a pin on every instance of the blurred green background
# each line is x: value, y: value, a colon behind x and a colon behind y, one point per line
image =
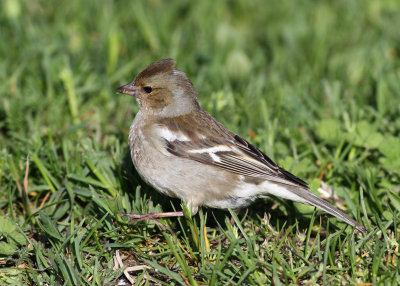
x: 314, y: 84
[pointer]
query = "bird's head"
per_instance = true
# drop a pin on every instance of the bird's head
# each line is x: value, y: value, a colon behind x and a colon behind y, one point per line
x: 162, y: 90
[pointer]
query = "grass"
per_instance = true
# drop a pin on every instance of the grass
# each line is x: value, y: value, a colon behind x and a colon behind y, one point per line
x: 313, y: 84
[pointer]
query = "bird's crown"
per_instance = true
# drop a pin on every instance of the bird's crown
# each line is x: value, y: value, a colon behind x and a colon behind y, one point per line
x: 160, y: 66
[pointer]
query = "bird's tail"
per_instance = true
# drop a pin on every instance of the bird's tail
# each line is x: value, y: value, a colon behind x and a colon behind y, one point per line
x: 305, y: 196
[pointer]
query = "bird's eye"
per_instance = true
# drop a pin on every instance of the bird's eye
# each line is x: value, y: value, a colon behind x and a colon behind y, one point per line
x: 147, y: 89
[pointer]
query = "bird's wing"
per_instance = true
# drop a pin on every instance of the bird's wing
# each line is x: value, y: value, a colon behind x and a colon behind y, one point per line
x: 233, y: 154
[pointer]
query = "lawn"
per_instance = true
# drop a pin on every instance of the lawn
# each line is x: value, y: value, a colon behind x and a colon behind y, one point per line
x: 315, y: 85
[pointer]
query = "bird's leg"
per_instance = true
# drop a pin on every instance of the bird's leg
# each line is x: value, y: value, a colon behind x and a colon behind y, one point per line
x: 153, y: 216
x: 236, y: 211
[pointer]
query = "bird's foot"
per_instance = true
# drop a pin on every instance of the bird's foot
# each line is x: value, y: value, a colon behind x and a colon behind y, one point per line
x: 153, y: 216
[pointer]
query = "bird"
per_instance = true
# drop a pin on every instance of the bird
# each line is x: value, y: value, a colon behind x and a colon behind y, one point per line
x: 182, y: 151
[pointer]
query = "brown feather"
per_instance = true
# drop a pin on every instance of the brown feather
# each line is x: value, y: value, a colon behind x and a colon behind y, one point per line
x: 158, y: 67
x: 214, y: 134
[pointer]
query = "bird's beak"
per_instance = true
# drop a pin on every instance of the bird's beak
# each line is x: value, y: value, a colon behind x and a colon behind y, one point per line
x: 129, y: 89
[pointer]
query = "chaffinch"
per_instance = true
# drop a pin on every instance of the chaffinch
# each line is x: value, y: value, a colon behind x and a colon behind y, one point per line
x: 182, y: 151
